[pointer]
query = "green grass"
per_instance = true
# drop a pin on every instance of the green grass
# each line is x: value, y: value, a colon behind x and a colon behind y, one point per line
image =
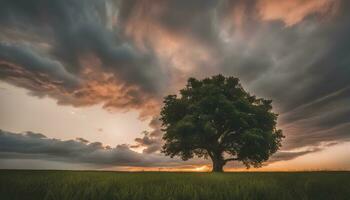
x: 62, y: 185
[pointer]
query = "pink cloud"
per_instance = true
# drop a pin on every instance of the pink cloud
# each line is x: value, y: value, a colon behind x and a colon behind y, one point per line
x: 293, y: 11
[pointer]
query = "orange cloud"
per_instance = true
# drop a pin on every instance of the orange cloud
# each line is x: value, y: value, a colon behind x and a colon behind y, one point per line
x: 177, y: 51
x: 96, y: 87
x: 103, y: 87
x: 293, y: 11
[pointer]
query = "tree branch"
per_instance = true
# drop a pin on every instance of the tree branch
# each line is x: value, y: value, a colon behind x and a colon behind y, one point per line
x: 230, y: 159
x: 210, y: 154
x: 223, y: 135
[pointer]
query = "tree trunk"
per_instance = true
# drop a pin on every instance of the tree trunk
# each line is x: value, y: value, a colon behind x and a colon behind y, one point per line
x: 218, y: 165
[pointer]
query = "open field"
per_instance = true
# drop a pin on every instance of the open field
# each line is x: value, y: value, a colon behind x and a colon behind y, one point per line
x: 62, y: 185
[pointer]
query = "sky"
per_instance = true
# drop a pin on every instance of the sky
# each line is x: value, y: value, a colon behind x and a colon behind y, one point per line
x: 82, y: 81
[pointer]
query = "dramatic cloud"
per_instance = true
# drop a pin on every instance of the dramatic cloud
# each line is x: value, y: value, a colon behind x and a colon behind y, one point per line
x: 151, y: 141
x: 72, y: 51
x: 37, y: 146
x: 128, y: 54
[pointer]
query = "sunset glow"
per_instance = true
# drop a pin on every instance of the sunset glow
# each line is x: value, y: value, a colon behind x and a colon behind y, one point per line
x: 82, y: 84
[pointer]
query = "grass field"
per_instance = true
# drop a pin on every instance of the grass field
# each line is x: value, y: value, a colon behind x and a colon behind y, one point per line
x: 62, y: 185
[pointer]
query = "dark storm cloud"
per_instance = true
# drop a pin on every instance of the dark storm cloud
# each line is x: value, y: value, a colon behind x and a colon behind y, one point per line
x: 326, y: 119
x: 293, y: 52
x: 151, y: 141
x: 181, y: 17
x: 55, y: 42
x: 295, y: 58
x: 37, y: 146
x: 151, y: 144
x: 23, y: 55
x: 309, y: 81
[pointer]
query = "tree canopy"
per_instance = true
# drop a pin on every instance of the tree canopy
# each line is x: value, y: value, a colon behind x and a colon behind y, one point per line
x: 216, y: 118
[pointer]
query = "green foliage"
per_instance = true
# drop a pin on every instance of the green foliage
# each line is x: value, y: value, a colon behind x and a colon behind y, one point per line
x: 215, y: 117
x: 74, y: 185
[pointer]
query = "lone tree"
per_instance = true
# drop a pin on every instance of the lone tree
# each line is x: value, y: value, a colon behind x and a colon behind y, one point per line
x: 215, y: 117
